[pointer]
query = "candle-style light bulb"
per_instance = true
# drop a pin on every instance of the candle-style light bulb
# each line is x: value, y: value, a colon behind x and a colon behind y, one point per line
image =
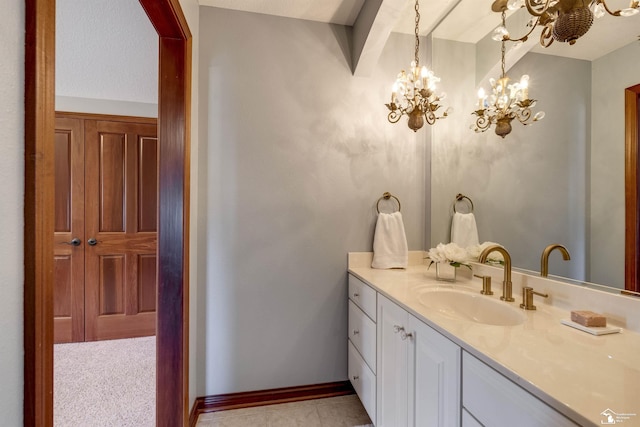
x: 524, y: 86
x: 481, y: 97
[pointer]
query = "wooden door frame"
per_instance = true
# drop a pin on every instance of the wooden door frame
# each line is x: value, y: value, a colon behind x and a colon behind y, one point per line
x: 631, y: 177
x: 173, y: 213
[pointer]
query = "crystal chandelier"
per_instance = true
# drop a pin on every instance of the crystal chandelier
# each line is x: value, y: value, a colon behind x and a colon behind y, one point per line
x: 507, y: 102
x: 413, y: 94
x: 561, y: 20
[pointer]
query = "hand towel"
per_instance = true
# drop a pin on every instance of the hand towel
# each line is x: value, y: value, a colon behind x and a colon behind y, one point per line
x: 390, y: 242
x: 464, y: 232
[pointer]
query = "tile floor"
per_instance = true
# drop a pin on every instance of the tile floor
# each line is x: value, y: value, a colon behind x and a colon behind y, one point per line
x: 342, y: 411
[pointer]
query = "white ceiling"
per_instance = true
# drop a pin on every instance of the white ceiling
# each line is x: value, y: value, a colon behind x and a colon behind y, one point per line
x: 469, y: 21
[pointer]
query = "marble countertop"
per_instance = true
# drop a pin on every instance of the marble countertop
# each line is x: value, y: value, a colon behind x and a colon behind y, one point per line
x: 578, y: 374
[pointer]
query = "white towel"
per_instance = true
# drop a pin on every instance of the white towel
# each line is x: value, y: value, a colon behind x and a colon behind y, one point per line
x: 390, y: 242
x: 464, y: 232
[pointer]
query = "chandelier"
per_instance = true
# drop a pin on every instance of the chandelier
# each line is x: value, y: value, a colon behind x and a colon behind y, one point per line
x: 507, y: 102
x: 561, y: 20
x: 413, y: 93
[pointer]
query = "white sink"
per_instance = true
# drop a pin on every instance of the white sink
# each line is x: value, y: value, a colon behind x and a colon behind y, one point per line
x: 472, y: 306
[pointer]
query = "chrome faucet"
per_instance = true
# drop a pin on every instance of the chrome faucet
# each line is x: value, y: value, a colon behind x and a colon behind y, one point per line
x: 544, y: 260
x: 506, y: 283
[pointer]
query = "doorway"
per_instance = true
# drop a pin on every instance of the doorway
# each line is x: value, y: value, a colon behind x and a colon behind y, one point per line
x: 173, y: 213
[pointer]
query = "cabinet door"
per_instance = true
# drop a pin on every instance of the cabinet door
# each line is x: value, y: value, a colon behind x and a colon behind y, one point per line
x: 392, y: 386
x: 434, y: 378
x: 494, y: 400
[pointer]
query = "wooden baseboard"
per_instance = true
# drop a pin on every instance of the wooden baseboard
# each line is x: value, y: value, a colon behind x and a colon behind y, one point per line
x: 222, y: 402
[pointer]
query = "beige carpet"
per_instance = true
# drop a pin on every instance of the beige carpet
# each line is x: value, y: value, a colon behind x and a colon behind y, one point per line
x: 105, y: 383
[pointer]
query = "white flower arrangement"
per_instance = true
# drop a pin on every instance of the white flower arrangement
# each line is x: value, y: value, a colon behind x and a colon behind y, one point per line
x: 450, y: 253
x: 456, y: 256
x: 493, y: 258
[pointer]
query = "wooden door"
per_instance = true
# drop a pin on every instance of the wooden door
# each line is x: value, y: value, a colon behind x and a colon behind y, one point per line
x: 68, y: 292
x: 121, y: 229
x: 106, y: 200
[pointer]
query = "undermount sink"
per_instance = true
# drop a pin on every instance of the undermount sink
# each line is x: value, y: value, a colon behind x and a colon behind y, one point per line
x: 475, y: 307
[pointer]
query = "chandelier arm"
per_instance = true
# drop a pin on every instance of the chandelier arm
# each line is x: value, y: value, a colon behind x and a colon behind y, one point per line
x: 483, y: 123
x: 609, y: 11
x: 533, y: 11
x: 546, y: 34
x: 526, y: 36
x: 430, y: 117
x: 523, y: 115
x: 394, y: 116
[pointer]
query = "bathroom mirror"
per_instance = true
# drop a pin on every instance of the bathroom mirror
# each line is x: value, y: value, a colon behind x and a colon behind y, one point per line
x: 560, y: 180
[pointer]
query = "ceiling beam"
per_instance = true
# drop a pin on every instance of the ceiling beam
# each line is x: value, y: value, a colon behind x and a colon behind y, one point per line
x: 372, y: 28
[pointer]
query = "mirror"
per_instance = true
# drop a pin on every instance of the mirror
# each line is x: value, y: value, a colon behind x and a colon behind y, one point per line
x: 560, y: 180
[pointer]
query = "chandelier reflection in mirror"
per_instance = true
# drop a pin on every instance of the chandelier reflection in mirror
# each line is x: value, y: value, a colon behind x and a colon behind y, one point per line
x: 562, y: 20
x: 506, y: 102
x: 413, y: 94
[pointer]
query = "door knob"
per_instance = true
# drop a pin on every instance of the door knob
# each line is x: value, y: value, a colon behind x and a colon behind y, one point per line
x: 74, y: 242
x: 92, y: 242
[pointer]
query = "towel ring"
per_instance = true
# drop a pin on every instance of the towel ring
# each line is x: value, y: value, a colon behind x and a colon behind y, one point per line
x: 459, y: 198
x: 387, y: 196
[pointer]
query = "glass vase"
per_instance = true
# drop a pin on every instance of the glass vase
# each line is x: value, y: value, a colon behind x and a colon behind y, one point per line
x: 445, y: 272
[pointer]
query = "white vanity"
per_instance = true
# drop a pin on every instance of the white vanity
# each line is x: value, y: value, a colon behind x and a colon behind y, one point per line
x: 416, y: 363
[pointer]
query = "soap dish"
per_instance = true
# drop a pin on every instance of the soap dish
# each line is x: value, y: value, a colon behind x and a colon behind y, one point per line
x: 593, y: 330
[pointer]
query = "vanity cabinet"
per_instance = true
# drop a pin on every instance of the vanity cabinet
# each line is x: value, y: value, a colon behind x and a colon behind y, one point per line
x: 491, y: 399
x: 362, y: 343
x: 418, y: 374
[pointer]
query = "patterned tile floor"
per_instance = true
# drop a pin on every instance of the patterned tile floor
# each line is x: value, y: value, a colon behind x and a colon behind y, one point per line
x: 342, y: 411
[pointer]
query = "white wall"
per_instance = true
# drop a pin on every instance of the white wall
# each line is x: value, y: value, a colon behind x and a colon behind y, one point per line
x: 297, y: 151
x: 611, y: 73
x: 11, y: 209
x: 529, y: 189
x: 106, y: 58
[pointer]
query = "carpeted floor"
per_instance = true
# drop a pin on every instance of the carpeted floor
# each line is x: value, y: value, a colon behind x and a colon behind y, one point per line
x: 105, y: 383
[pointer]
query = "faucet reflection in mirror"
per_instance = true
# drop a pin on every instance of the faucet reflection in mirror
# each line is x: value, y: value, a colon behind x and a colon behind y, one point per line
x: 507, y: 101
x: 562, y: 20
x: 413, y: 94
x: 544, y: 259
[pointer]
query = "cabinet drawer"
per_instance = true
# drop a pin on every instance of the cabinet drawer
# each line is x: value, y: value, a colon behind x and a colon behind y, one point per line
x: 363, y: 296
x: 363, y: 381
x: 494, y: 400
x: 362, y: 333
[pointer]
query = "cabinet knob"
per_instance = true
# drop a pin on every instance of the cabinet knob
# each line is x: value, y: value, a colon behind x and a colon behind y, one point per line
x: 355, y: 378
x: 356, y: 332
x: 356, y: 295
x: 403, y: 334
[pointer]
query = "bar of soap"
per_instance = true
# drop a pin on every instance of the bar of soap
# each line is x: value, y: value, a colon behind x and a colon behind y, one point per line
x: 588, y: 318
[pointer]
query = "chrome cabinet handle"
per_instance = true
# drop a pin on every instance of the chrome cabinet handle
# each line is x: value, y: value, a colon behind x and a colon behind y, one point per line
x: 74, y: 242
x: 92, y: 242
x: 356, y: 332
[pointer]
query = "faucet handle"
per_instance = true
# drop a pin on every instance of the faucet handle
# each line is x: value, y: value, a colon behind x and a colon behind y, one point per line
x: 486, y: 284
x: 527, y: 298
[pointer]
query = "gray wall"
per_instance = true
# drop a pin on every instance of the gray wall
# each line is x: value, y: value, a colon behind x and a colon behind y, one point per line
x: 529, y: 189
x: 611, y: 74
x: 11, y: 209
x: 297, y: 153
